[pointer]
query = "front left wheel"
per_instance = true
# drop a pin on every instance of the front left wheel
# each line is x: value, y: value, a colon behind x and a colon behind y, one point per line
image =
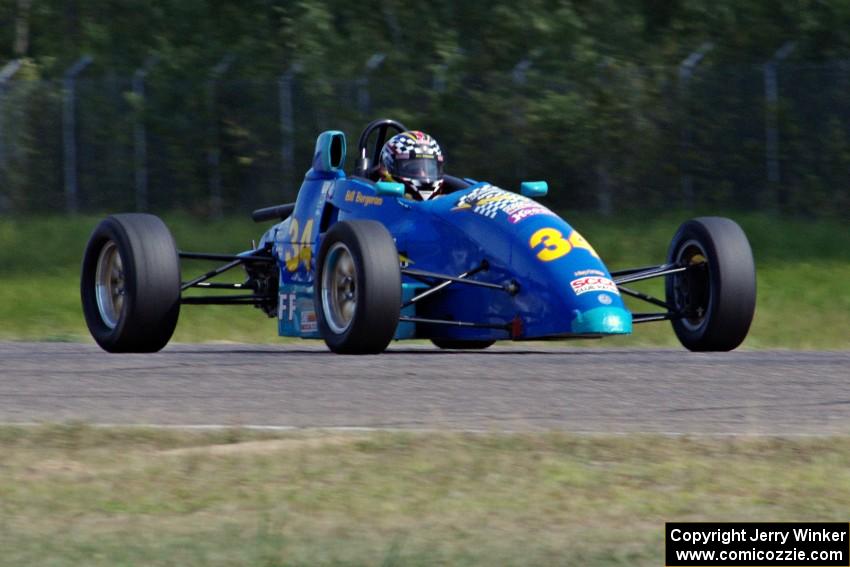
x: 357, y: 288
x: 130, y: 284
x: 715, y: 297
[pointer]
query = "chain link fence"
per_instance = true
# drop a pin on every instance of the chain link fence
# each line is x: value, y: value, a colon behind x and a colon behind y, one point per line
x: 624, y: 139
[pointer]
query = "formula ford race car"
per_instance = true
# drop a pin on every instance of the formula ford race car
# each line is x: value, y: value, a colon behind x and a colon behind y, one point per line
x: 354, y: 262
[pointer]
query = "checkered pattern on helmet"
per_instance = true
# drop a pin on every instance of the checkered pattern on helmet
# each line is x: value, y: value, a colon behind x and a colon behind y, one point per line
x: 414, y: 142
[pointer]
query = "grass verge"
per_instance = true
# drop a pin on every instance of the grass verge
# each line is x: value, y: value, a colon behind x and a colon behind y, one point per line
x: 74, y: 495
x: 802, y: 266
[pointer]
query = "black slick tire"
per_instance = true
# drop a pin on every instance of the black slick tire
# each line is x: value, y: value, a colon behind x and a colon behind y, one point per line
x: 357, y: 287
x: 139, y: 253
x: 717, y: 296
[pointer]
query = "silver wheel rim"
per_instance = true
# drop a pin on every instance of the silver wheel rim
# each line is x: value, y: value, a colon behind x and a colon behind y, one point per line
x: 691, y: 253
x: 109, y: 285
x: 339, y: 288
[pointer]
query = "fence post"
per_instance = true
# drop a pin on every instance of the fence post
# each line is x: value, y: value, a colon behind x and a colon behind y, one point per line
x: 285, y: 95
x: 686, y: 71
x: 364, y: 102
x: 214, y: 146
x: 771, y: 120
x: 7, y: 72
x: 602, y: 168
x: 438, y: 80
x: 69, y: 131
x: 140, y: 138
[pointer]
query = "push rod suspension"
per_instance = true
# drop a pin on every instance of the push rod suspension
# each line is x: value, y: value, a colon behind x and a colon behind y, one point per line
x: 628, y: 271
x: 443, y: 285
x: 463, y: 278
x: 459, y: 279
x: 211, y: 274
x: 648, y: 273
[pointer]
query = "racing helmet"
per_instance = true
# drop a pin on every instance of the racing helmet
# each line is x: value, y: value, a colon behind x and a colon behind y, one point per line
x: 415, y: 159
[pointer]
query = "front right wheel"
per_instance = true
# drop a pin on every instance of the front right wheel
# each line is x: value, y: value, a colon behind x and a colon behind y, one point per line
x: 715, y: 298
x: 357, y: 287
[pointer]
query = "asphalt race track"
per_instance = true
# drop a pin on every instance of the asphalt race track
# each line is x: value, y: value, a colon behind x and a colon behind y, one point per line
x: 510, y: 388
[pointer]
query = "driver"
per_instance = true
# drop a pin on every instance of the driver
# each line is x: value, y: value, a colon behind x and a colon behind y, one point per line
x: 414, y: 159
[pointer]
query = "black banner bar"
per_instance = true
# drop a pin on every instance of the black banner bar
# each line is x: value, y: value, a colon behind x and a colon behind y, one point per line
x: 757, y: 544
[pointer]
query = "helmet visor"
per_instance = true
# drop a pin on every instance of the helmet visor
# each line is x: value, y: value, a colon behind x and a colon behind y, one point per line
x: 419, y: 168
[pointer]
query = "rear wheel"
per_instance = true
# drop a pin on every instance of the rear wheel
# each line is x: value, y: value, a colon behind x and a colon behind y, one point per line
x: 716, y: 296
x: 358, y: 288
x: 130, y: 284
x: 461, y: 345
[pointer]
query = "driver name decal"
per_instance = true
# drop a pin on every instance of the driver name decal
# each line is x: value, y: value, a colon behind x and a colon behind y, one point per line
x: 361, y: 199
x: 593, y: 283
x: 489, y: 201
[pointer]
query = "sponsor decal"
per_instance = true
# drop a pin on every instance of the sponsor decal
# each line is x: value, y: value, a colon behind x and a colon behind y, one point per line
x: 605, y: 299
x: 490, y: 201
x: 581, y: 273
x: 528, y: 211
x: 308, y: 322
x: 353, y: 196
x: 593, y: 283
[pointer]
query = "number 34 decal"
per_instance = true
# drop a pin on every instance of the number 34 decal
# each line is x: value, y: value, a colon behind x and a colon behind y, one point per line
x: 551, y: 244
x: 301, y: 249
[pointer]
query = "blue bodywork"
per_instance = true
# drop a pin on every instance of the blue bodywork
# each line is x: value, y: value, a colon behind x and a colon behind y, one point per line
x: 564, y: 289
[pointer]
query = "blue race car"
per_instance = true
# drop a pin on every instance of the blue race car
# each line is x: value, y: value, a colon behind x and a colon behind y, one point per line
x: 354, y: 262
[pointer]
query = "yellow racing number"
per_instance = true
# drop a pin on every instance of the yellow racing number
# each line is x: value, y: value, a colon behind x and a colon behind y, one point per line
x: 578, y: 241
x: 554, y: 244
x: 302, y: 249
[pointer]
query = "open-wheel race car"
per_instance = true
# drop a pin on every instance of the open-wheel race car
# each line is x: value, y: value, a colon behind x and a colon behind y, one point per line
x: 354, y: 262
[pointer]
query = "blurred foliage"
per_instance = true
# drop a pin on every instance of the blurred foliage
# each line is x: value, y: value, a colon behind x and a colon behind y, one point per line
x: 585, y: 94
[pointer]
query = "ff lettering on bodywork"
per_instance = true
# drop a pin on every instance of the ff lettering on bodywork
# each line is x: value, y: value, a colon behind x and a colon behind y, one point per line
x: 286, y: 305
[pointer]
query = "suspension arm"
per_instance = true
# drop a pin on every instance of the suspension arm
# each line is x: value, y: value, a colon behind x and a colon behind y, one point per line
x: 649, y: 317
x: 639, y: 274
x: 224, y: 300
x: 643, y: 296
x: 224, y: 257
x: 232, y: 262
x: 451, y: 323
x: 511, y: 288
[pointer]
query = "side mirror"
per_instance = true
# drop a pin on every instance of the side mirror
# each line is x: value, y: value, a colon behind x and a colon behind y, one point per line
x: 390, y: 188
x: 329, y: 154
x: 534, y: 189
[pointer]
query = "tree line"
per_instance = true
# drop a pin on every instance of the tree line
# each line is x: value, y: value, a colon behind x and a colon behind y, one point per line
x: 590, y: 95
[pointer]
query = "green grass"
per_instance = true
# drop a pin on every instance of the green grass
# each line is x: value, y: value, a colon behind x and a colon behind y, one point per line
x: 75, y: 495
x: 803, y: 269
